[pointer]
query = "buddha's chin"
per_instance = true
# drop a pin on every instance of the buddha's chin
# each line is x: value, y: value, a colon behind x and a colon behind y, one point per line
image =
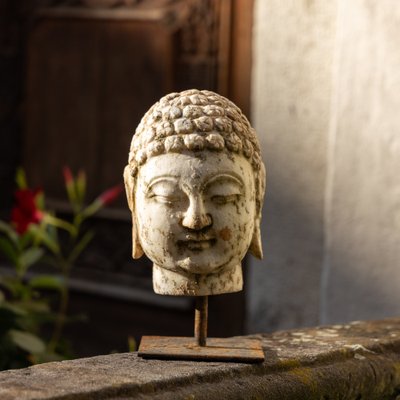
x: 178, y: 283
x: 202, y: 265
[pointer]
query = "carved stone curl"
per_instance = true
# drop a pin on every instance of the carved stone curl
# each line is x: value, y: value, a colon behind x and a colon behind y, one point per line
x: 195, y: 185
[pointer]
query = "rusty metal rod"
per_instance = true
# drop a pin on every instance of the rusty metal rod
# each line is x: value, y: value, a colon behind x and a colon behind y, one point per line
x: 200, y: 320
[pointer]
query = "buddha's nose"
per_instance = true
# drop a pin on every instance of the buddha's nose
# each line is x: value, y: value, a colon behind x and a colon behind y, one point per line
x: 196, y: 216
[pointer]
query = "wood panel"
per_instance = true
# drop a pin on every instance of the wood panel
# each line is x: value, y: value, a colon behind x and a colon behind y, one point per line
x: 89, y: 81
x: 241, y: 54
x: 88, y: 85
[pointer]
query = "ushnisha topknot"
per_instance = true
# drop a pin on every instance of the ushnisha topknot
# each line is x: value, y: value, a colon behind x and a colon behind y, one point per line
x: 196, y: 120
x: 193, y: 120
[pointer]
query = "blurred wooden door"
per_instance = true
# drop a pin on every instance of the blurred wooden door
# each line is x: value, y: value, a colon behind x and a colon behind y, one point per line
x: 90, y: 76
x: 88, y: 84
x: 92, y: 73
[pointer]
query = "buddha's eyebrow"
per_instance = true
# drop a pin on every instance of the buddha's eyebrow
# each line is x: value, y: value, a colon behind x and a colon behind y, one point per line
x: 158, y: 179
x: 224, y: 177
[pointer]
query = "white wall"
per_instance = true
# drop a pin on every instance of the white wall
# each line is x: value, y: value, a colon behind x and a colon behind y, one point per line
x: 326, y: 104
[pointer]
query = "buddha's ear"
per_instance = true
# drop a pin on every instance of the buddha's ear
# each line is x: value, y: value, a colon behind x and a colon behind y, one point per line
x: 137, y: 250
x: 256, y: 243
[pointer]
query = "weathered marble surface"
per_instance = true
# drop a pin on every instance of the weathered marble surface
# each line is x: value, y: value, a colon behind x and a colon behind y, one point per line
x: 353, y: 361
x: 195, y: 185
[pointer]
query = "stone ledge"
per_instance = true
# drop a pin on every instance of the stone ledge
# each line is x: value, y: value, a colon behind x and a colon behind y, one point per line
x: 360, y: 360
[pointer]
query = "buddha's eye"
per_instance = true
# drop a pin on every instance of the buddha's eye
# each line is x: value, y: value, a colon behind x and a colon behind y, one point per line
x: 163, y: 199
x: 164, y: 191
x: 218, y: 199
x: 224, y: 191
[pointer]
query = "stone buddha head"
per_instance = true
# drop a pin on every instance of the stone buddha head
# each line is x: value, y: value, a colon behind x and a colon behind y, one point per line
x: 195, y: 185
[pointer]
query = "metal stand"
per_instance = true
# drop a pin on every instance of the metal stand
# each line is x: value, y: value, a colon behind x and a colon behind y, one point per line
x: 200, y: 320
x: 236, y: 349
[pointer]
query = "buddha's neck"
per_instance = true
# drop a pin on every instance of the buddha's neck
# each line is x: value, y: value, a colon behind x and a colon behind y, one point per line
x: 174, y: 283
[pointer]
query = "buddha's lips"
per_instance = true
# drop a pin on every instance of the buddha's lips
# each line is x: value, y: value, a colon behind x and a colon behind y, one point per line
x: 197, y: 244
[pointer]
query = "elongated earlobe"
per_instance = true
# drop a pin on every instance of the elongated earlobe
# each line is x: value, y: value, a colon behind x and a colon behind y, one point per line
x: 255, y: 247
x: 256, y: 244
x: 137, y: 250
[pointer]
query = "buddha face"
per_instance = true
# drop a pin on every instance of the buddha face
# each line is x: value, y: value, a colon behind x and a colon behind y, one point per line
x: 195, y: 211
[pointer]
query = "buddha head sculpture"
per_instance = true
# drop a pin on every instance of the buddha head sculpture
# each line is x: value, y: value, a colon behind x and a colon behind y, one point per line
x: 195, y: 185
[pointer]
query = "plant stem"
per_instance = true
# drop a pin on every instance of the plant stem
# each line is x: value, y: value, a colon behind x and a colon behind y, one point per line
x: 66, y: 266
x: 62, y: 310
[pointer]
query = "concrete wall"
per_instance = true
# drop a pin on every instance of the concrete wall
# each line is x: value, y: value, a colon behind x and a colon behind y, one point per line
x: 327, y: 109
x: 362, y: 265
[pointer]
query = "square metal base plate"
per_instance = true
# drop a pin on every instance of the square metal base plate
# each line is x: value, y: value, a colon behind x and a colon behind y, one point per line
x: 238, y: 349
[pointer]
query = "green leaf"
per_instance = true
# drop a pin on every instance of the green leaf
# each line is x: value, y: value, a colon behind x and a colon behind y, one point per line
x: 39, y: 201
x: 92, y: 209
x: 47, y: 282
x: 35, y: 306
x: 59, y: 223
x: 27, y: 238
x: 2, y: 297
x: 14, y: 308
x: 52, y: 231
x: 8, y: 250
x: 31, y: 256
x: 9, y: 231
x: 45, y: 237
x: 77, y: 250
x: 12, y: 283
x: 27, y: 341
x: 20, y: 178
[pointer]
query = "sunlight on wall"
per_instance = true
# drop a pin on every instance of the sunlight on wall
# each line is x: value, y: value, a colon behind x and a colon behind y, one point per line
x: 326, y: 109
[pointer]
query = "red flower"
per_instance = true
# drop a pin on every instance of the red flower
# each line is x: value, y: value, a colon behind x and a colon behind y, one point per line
x: 110, y: 195
x: 26, y: 212
x: 68, y: 178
